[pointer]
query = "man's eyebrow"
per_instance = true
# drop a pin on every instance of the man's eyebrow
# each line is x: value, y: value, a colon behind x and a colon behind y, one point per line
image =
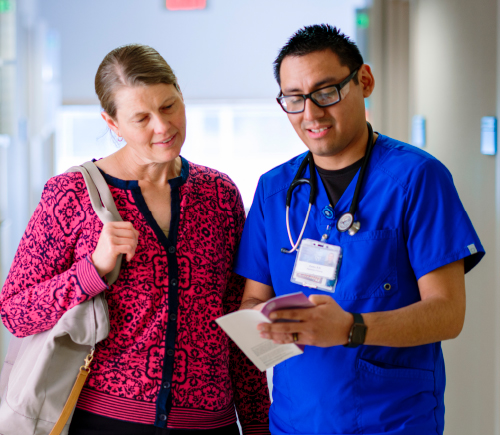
x: 325, y: 82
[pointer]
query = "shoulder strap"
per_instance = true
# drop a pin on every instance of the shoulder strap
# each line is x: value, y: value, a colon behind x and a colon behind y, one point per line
x: 70, y: 404
x: 102, y: 203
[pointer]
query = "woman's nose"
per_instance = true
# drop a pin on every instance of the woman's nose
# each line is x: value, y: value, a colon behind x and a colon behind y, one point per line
x: 161, y: 125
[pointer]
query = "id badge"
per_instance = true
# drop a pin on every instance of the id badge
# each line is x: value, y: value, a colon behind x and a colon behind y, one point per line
x: 317, y: 265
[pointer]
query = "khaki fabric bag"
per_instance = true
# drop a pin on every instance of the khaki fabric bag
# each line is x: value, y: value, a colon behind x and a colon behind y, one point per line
x: 39, y: 371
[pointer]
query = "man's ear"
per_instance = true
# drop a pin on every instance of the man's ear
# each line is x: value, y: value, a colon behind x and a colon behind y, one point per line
x: 366, y: 80
x: 111, y: 123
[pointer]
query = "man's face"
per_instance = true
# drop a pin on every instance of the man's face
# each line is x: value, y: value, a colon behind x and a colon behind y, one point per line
x: 326, y: 131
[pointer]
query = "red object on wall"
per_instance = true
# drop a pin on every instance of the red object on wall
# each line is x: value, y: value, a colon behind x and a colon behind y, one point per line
x: 185, y: 5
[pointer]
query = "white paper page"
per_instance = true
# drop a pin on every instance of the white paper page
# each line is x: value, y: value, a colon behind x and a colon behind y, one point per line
x: 241, y: 326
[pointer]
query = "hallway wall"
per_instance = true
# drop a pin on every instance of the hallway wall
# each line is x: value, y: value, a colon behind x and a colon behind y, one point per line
x: 222, y: 52
x: 453, y: 64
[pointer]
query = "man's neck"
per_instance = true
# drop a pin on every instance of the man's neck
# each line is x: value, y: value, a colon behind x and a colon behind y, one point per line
x: 351, y: 154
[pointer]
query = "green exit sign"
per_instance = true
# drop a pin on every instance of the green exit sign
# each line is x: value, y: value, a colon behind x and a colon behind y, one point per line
x: 362, y: 20
x: 5, y: 6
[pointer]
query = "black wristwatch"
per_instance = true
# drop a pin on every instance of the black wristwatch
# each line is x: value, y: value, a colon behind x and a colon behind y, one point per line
x: 358, y: 331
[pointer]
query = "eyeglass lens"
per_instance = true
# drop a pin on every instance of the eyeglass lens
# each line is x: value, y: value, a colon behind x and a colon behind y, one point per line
x: 322, y: 97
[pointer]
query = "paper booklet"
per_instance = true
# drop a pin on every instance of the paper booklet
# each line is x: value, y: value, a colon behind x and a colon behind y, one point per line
x: 241, y: 326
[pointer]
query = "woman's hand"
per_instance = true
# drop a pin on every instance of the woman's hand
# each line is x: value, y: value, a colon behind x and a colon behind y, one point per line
x: 116, y: 238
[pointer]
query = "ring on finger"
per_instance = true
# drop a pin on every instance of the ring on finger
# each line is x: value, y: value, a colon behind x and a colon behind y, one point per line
x: 295, y: 337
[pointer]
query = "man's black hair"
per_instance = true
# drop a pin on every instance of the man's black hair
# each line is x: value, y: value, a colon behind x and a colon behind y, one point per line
x: 320, y: 37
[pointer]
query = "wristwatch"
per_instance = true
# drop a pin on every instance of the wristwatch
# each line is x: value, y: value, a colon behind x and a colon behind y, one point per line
x: 358, y: 331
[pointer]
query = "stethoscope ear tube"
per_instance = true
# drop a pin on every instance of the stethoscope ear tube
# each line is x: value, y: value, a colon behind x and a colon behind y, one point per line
x: 295, y: 245
x: 308, y: 159
x: 297, y: 180
x: 314, y: 181
x: 346, y: 221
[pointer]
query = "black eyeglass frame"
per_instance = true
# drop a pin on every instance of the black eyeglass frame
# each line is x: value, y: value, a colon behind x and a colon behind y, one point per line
x: 338, y: 86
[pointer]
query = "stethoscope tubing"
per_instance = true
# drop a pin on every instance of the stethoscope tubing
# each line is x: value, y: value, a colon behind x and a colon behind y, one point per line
x: 297, y: 180
x: 369, y: 147
x: 296, y: 245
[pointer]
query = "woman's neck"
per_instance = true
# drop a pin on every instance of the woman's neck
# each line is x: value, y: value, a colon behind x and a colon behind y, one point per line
x: 126, y: 165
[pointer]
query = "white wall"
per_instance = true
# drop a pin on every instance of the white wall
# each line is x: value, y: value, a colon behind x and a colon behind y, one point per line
x: 224, y: 52
x: 454, y: 64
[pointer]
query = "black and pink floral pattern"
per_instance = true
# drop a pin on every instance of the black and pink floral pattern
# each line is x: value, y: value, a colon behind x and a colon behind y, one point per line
x: 52, y: 272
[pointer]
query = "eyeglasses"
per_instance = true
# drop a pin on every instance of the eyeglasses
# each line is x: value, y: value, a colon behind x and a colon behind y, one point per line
x: 324, y: 97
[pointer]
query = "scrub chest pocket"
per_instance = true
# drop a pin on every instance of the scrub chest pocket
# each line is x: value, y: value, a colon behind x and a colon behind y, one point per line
x: 369, y: 267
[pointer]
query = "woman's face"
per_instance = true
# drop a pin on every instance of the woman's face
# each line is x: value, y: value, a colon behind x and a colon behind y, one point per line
x: 151, y: 119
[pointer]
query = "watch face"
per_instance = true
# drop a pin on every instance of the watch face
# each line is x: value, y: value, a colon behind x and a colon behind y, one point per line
x: 358, y: 333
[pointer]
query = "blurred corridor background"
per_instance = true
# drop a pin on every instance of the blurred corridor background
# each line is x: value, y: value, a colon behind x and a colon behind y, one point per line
x: 437, y: 70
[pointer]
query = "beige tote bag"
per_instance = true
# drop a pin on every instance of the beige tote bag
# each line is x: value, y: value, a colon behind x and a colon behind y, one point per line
x: 39, y: 371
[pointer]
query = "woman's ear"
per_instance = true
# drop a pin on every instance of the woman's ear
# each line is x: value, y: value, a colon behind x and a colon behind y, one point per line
x: 111, y: 123
x: 176, y: 85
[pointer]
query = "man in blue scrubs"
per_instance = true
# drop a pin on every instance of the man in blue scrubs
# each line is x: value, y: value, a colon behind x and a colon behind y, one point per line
x: 372, y: 363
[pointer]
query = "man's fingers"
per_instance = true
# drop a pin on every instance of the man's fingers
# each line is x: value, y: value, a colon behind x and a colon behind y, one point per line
x: 320, y: 299
x: 280, y: 327
x: 284, y: 338
x: 300, y: 314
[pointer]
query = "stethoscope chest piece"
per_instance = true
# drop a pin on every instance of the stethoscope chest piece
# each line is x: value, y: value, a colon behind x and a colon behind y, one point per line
x: 346, y: 223
x: 354, y: 228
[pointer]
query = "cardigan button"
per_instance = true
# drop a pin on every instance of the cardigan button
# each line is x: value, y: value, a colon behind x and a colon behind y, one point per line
x: 173, y: 317
x: 166, y: 384
x: 171, y: 249
x: 170, y: 352
x: 163, y: 417
x: 173, y: 282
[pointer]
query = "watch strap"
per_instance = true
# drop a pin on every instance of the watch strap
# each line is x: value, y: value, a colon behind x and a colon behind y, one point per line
x: 358, y: 321
x: 358, y: 318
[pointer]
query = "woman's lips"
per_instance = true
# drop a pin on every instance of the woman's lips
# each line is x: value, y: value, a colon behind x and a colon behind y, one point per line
x: 166, y: 142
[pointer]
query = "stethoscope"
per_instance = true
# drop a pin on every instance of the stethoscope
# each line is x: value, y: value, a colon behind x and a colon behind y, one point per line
x: 346, y: 221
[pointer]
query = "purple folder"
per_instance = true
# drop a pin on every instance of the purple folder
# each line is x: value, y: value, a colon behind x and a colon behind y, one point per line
x: 291, y: 301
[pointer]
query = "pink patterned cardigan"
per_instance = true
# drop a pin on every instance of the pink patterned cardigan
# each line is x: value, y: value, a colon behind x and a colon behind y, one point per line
x: 166, y: 361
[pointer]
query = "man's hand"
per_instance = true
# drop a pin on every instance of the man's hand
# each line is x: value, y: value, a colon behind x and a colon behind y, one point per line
x: 439, y: 315
x: 325, y: 325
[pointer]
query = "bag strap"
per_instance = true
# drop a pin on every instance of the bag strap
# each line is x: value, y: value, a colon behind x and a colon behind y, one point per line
x: 102, y: 203
x: 70, y: 404
x: 105, y: 208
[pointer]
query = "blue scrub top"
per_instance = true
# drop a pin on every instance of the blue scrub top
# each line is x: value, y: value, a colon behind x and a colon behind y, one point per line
x: 412, y: 222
